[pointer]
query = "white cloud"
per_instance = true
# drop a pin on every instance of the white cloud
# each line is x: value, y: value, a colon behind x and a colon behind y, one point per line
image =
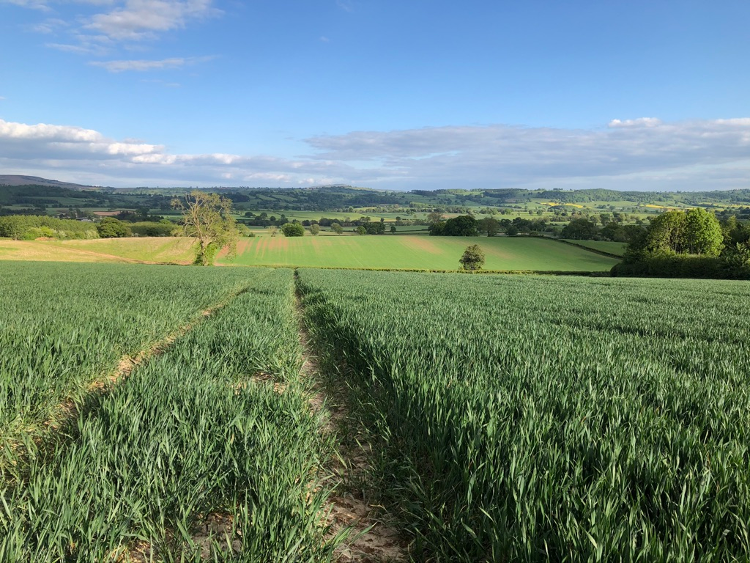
x: 118, y: 23
x: 67, y: 151
x: 640, y: 122
x: 146, y: 65
x: 502, y: 155
x: 34, y: 4
x: 49, y: 26
x: 628, y: 154
x: 144, y: 19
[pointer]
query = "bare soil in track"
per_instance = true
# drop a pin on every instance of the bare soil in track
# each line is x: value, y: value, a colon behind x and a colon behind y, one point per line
x: 372, y: 539
x: 68, y: 410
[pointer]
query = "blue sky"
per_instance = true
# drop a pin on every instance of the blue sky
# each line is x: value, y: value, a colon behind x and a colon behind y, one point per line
x: 413, y: 94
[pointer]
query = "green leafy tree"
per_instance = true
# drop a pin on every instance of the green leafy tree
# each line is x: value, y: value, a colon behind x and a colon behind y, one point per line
x: 437, y: 229
x: 702, y: 233
x: 393, y: 229
x: 666, y: 233
x: 473, y: 258
x: 109, y: 227
x: 461, y: 226
x: 614, y: 231
x: 207, y: 218
x: 434, y: 217
x: 314, y: 229
x: 293, y: 230
x: 361, y: 230
x: 374, y: 228
x: 337, y: 228
x: 579, y: 229
x: 489, y: 225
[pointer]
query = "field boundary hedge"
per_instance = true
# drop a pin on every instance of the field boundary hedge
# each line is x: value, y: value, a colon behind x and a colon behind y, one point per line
x: 600, y: 274
x: 584, y: 247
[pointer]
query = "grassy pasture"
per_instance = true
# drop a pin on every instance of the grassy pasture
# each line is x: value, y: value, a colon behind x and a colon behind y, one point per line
x: 415, y: 252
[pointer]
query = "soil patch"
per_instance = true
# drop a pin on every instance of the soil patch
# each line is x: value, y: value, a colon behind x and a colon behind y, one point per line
x: 422, y: 244
x: 372, y: 539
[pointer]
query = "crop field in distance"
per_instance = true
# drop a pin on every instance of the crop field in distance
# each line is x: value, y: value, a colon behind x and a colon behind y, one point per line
x: 168, y: 250
x: 386, y: 251
x: 416, y: 252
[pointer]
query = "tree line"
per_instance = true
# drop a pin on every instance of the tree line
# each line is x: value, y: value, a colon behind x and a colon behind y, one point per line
x: 692, y: 243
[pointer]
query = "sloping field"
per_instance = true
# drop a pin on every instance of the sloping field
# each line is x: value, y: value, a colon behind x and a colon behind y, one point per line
x: 44, y: 251
x: 387, y: 251
x: 170, y: 250
x: 416, y: 252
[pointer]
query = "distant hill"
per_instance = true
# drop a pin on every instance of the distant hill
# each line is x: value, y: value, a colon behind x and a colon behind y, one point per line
x: 15, y: 180
x: 30, y: 194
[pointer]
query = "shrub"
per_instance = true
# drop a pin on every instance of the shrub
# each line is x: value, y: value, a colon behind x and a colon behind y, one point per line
x: 293, y: 230
x: 109, y: 227
x: 164, y: 228
x: 20, y: 227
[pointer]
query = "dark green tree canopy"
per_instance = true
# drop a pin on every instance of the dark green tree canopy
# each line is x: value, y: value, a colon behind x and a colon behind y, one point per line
x: 579, y: 229
x: 109, y: 227
x: 461, y: 226
x: 489, y: 225
x: 473, y: 258
x: 293, y: 230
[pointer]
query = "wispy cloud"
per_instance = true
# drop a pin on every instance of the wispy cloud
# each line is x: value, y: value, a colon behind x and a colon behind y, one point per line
x: 144, y: 19
x: 119, y: 23
x: 49, y: 26
x: 83, y: 47
x: 625, y: 154
x: 164, y: 83
x: 345, y: 5
x: 147, y: 65
x: 324, y: 39
x: 34, y: 4
x: 502, y: 155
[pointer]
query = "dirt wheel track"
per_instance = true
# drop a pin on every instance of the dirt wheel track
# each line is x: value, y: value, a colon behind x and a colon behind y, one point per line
x: 372, y: 539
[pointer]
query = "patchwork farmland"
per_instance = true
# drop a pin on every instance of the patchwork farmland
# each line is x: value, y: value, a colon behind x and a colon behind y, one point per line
x: 157, y: 413
x: 389, y: 252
